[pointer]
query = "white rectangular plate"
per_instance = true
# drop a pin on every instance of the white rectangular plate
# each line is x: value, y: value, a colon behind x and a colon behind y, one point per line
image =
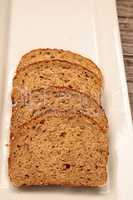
x: 88, y: 27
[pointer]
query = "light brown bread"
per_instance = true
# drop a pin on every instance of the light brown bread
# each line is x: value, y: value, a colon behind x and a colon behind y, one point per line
x: 49, y: 54
x: 60, y: 148
x: 40, y: 100
x: 57, y: 73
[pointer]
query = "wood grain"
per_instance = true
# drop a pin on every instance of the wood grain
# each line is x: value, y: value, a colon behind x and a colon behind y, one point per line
x: 125, y: 16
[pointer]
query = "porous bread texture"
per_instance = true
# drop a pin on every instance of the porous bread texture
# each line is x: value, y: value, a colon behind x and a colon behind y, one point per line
x: 57, y: 73
x: 50, y: 54
x: 60, y: 148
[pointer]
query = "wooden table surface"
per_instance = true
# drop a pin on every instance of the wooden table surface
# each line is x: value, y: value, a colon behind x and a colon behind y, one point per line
x: 125, y: 15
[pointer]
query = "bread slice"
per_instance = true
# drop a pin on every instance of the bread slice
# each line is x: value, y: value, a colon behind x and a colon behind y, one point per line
x: 49, y: 54
x: 56, y: 98
x: 57, y: 73
x: 60, y: 148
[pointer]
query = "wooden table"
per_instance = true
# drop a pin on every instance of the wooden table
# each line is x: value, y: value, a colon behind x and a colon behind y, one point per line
x: 125, y: 15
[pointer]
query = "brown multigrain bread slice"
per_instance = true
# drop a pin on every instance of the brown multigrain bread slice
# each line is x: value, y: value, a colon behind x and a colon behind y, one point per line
x: 49, y: 54
x: 58, y: 73
x: 40, y: 100
x: 60, y: 148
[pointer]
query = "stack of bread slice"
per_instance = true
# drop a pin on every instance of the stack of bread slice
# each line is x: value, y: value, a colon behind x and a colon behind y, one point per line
x: 58, y: 133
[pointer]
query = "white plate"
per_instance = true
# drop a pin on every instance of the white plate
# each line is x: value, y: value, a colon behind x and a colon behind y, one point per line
x: 88, y: 27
